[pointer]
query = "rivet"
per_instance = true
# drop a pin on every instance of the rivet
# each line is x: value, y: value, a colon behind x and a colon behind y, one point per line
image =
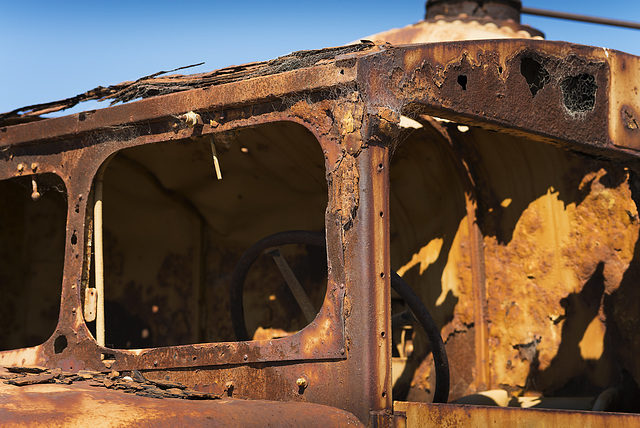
x: 302, y: 382
x: 20, y: 167
x: 34, y: 166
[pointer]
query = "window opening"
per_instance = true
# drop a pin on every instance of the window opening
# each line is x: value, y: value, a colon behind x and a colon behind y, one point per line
x: 33, y: 217
x: 173, y: 233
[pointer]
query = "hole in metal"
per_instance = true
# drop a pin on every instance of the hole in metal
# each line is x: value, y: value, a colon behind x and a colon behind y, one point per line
x: 462, y: 81
x: 535, y: 74
x: 579, y: 92
x: 60, y: 344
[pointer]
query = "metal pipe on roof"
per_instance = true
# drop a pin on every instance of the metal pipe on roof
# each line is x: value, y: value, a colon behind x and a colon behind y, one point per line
x: 582, y: 18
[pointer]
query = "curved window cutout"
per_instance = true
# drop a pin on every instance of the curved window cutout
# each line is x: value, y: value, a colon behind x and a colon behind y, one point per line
x: 174, y: 232
x: 33, y: 216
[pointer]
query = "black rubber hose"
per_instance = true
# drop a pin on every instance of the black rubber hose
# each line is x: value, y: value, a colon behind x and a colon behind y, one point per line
x: 438, y: 350
x: 418, y: 308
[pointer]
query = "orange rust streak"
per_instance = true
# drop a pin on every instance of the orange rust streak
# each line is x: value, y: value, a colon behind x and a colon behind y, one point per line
x: 483, y: 378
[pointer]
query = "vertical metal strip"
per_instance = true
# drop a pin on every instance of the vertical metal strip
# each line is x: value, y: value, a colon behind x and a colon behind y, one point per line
x: 478, y: 278
x: 99, y: 251
x: 372, y: 270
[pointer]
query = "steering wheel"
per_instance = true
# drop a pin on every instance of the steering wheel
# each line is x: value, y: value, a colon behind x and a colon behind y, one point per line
x: 270, y: 246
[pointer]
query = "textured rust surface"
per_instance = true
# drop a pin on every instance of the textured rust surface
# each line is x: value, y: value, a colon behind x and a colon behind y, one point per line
x: 428, y: 415
x: 92, y: 403
x: 531, y: 88
x: 161, y: 83
x: 524, y: 252
x: 564, y: 232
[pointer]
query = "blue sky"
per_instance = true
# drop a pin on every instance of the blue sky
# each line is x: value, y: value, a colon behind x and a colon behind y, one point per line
x: 54, y: 50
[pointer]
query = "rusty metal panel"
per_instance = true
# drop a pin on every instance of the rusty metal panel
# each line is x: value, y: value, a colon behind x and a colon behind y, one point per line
x: 168, y: 107
x: 245, y: 363
x: 625, y: 96
x: 542, y: 90
x: 82, y: 404
x: 563, y: 232
x: 429, y: 415
x: 534, y: 93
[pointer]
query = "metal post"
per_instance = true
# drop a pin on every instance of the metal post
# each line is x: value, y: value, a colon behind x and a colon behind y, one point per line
x: 99, y: 252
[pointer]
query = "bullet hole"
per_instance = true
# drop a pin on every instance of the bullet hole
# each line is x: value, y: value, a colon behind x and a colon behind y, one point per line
x: 381, y: 274
x: 382, y: 334
x: 381, y: 214
x: 384, y: 394
x: 462, y: 81
x: 535, y: 74
x: 380, y: 167
x: 74, y: 238
x: 194, y: 358
x: 60, y: 344
x: 500, y: 70
x: 579, y: 92
x: 77, y: 209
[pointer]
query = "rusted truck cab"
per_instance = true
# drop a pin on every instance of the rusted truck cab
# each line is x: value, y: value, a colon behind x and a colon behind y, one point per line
x: 497, y: 178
